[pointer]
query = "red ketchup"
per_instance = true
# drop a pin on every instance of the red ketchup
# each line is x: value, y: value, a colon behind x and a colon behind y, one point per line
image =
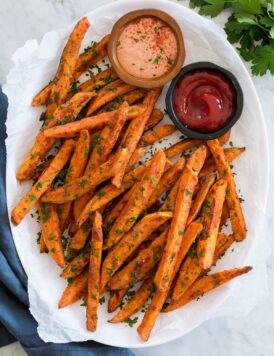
x: 204, y: 101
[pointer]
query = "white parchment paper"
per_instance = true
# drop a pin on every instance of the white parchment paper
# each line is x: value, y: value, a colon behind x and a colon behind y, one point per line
x: 34, y: 66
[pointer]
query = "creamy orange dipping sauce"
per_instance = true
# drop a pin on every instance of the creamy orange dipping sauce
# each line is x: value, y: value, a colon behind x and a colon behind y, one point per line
x: 147, y: 48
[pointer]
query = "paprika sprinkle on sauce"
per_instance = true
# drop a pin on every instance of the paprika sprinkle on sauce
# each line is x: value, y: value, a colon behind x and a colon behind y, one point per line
x: 204, y: 100
x: 147, y: 47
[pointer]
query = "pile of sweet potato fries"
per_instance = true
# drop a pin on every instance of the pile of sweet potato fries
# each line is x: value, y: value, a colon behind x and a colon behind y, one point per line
x: 157, y: 222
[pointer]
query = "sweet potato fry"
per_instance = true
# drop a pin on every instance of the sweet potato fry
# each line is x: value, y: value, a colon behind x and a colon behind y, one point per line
x: 74, y: 290
x: 98, y: 81
x: 101, y: 151
x: 154, y: 310
x: 169, y: 202
x: 76, y: 266
x: 115, y: 299
x: 137, y: 154
x: 156, y: 134
x: 108, y: 93
x: 42, y: 97
x: 154, y: 119
x: 191, y: 269
x: 91, y: 56
x: 93, y: 123
x: 189, y: 143
x: 211, y: 218
x: 135, y: 270
x: 207, y: 283
x: 136, y: 302
x: 43, y: 183
x: 138, y: 199
x: 79, y: 239
x: 151, y: 314
x: 200, y: 198
x: 43, y: 247
x: 79, y: 186
x: 235, y: 210
x: 130, y: 242
x: 225, y: 215
x: 230, y: 153
x: 181, y: 210
x: 160, y: 297
x: 94, y: 272
x: 39, y: 169
x: 182, y: 146
x: 51, y: 233
x: 64, y: 113
x: 63, y: 80
x: 109, y: 192
x: 130, y: 98
x: 68, y: 111
x: 49, y: 95
x: 132, y: 137
x: 166, y: 182
x: 75, y: 170
x: 190, y: 235
x: 116, y: 211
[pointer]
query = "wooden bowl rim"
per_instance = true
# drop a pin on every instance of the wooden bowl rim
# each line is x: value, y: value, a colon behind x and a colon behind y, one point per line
x: 143, y: 82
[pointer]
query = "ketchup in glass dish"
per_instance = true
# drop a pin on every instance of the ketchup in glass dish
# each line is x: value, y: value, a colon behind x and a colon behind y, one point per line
x: 204, y: 100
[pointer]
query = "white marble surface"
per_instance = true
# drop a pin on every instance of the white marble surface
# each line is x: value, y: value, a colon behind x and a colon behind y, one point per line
x: 248, y: 336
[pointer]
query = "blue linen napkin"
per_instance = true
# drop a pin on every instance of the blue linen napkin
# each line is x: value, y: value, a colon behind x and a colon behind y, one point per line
x: 16, y: 322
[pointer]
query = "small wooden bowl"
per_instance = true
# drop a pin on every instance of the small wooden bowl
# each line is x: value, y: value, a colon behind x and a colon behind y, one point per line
x: 143, y: 82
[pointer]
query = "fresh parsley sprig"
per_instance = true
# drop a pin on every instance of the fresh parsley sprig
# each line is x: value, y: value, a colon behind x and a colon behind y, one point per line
x: 250, y: 26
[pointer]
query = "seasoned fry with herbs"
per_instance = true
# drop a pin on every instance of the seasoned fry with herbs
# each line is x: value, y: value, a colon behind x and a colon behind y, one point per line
x: 151, y: 314
x: 62, y: 82
x: 42, y: 97
x: 98, y: 81
x: 54, y: 93
x: 230, y: 153
x: 154, y: 119
x: 64, y: 113
x: 132, y: 137
x: 140, y: 265
x: 234, y: 206
x: 108, y: 93
x: 206, y: 284
x: 75, y: 169
x: 129, y: 243
x: 187, y: 184
x: 94, y: 272
x: 51, y: 232
x: 43, y: 183
x: 156, y: 134
x: 93, y: 123
x: 101, y: 150
x: 91, y: 56
x: 75, y: 290
x: 138, y: 199
x: 130, y: 98
x: 211, y: 218
x: 79, y: 239
x: 80, y: 186
x: 76, y: 266
x: 136, y: 302
x: 191, y: 269
x: 115, y: 299
x: 200, y: 198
